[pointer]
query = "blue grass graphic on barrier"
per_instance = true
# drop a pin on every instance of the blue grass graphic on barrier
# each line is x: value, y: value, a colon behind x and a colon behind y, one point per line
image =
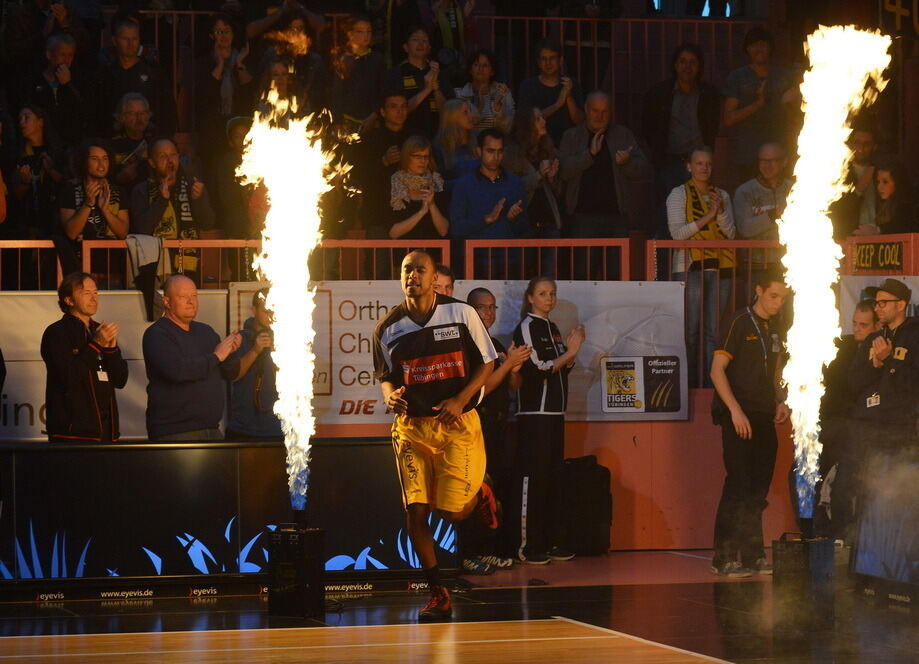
x: 444, y: 535
x: 31, y: 567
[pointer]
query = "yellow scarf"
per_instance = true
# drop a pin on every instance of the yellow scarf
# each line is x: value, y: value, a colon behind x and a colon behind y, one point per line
x: 696, y: 208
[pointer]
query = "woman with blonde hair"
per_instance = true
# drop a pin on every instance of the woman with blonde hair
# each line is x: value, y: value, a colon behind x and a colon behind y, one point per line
x: 543, y: 399
x: 455, y: 141
x: 416, y: 194
x: 697, y: 210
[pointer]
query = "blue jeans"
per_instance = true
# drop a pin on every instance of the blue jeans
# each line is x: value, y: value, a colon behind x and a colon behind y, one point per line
x: 709, y: 291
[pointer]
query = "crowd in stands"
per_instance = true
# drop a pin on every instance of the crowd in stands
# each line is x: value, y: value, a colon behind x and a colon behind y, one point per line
x: 95, y: 133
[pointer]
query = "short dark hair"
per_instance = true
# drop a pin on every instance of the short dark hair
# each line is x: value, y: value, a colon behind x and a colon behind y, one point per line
x: 757, y: 34
x: 478, y: 54
x: 222, y: 17
x: 412, y: 29
x: 867, y: 307
x: 355, y: 19
x: 440, y: 268
x: 68, y: 285
x: 768, y: 277
x: 124, y: 19
x: 547, y: 44
x: 490, y: 132
x: 688, y: 47
x: 59, y: 38
x: 391, y: 92
x: 475, y: 292
x: 82, y: 154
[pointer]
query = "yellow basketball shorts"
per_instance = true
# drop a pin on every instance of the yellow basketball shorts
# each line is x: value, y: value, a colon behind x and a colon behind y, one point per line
x: 441, y: 466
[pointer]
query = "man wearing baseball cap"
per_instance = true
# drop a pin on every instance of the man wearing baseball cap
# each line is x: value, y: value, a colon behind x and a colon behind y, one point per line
x: 885, y: 373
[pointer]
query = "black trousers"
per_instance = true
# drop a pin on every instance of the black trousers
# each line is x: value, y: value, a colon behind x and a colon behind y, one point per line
x: 539, y: 463
x: 749, y: 465
x: 474, y: 538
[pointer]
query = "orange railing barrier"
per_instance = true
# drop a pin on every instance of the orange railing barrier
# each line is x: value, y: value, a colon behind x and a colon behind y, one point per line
x: 564, y: 258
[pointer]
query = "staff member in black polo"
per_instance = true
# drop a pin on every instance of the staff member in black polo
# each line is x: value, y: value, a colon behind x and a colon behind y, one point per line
x: 748, y: 403
x: 885, y: 373
x: 84, y: 365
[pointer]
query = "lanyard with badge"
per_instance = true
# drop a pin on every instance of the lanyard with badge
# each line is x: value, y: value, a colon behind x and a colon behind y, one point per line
x: 762, y: 340
x: 101, y: 373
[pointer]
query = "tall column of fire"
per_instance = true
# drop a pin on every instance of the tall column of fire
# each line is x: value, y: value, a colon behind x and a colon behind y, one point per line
x: 846, y: 72
x: 287, y: 157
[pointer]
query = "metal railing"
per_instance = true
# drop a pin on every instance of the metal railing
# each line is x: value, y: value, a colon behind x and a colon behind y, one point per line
x: 212, y: 263
x: 29, y: 265
x: 370, y: 259
x: 723, y: 286
x: 218, y: 262
x: 601, y: 259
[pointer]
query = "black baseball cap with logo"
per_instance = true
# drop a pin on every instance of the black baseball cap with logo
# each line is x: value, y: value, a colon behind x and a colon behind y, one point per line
x: 893, y: 286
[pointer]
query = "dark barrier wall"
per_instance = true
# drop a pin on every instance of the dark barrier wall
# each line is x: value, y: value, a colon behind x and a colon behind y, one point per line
x: 164, y: 510
x: 887, y: 547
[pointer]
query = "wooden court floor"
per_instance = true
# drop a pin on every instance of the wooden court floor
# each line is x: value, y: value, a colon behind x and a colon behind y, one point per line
x: 506, y: 642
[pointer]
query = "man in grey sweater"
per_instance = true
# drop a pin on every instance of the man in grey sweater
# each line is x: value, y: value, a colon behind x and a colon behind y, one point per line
x: 760, y: 201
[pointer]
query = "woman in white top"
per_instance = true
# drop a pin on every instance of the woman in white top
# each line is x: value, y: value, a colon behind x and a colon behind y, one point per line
x: 491, y: 101
x: 697, y: 210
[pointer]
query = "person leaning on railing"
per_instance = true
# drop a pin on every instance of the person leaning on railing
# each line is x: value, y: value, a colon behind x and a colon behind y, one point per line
x: 171, y: 204
x: 697, y: 210
x: 91, y: 207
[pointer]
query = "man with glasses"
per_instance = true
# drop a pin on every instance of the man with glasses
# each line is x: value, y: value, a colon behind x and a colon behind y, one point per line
x: 760, y: 201
x: 885, y: 379
x: 885, y: 373
x: 555, y: 94
x: 479, y: 547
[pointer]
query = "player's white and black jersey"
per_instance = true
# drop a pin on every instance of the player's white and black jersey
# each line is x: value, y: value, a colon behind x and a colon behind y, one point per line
x: 435, y: 360
x: 542, y: 392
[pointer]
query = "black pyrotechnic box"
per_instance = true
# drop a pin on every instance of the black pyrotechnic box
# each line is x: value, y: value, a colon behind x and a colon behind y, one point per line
x: 296, y: 586
x: 803, y: 581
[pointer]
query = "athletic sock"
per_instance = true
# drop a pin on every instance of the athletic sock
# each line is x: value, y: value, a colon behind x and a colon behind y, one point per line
x: 432, y: 576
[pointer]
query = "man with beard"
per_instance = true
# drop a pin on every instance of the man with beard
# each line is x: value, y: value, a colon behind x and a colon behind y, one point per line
x: 432, y: 356
x: 170, y: 204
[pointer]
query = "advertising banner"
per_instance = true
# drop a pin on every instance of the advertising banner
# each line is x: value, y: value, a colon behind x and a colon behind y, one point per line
x: 631, y: 367
x: 24, y: 317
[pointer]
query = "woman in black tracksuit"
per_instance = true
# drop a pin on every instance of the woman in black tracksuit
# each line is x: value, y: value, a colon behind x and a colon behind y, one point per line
x: 543, y: 398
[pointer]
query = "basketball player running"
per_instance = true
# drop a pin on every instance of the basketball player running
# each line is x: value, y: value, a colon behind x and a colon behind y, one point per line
x: 432, y: 356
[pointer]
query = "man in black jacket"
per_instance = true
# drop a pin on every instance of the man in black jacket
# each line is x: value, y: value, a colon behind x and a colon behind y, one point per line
x: 885, y: 373
x: 84, y: 366
x: 680, y: 114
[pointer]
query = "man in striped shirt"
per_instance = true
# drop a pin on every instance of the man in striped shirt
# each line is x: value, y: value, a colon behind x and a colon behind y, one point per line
x: 432, y: 356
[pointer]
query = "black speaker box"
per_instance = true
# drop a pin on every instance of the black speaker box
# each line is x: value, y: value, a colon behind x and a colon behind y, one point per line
x: 296, y: 586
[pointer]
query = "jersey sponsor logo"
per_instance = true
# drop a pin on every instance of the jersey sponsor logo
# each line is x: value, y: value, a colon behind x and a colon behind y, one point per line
x: 446, y: 333
x: 433, y: 368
